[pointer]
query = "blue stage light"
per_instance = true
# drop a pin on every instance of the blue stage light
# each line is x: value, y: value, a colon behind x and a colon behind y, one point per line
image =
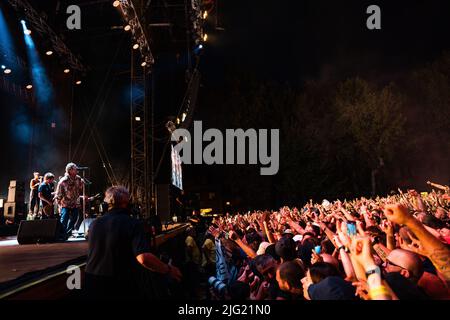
x: 6, y: 43
x: 39, y: 78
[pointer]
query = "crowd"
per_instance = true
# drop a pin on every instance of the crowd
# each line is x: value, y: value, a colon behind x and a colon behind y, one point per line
x: 387, y: 248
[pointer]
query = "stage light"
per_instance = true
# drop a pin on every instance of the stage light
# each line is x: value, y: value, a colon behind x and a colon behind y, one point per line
x: 78, y: 82
x: 178, y: 120
x: 183, y: 116
x: 66, y: 70
x: 3, y: 67
x: 200, y: 46
x: 49, y: 52
x: 205, y: 37
x: 7, y: 71
x: 116, y: 3
x: 27, y: 32
x: 136, y: 46
x: 228, y: 203
x: 137, y: 118
x: 39, y: 79
x: 29, y: 87
x: 143, y: 64
x: 205, y: 15
x: 127, y: 27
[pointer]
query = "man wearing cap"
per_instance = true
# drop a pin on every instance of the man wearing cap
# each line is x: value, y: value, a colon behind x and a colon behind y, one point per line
x: 68, y: 192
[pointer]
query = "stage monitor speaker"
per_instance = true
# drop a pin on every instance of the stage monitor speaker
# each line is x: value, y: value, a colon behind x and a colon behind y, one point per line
x: 163, y: 202
x: 16, y: 191
x: 38, y: 231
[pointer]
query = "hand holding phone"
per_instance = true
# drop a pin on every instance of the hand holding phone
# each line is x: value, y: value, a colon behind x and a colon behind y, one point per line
x: 351, y: 228
x: 318, y: 249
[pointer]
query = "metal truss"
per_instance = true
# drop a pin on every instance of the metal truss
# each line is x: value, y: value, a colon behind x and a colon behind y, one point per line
x: 140, y: 175
x: 197, y: 21
x: 132, y: 18
x: 190, y: 100
x: 38, y: 23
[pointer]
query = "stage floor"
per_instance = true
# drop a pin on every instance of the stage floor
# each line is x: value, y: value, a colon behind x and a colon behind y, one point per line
x: 18, y: 260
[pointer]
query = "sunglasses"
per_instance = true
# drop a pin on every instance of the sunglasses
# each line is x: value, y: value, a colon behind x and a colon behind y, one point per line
x: 387, y: 263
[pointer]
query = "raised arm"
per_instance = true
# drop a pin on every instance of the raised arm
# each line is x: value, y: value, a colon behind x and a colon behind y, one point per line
x: 269, y: 234
x: 439, y: 186
x: 345, y: 258
x: 434, y: 249
x: 295, y: 226
x: 248, y: 251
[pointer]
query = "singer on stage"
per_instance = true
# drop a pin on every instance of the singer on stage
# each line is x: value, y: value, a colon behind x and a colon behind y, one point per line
x: 68, y: 193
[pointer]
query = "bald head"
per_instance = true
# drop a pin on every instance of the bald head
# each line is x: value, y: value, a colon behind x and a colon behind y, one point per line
x: 406, y: 262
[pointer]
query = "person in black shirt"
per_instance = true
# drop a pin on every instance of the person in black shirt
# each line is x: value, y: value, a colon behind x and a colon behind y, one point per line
x: 45, y: 193
x: 118, y: 249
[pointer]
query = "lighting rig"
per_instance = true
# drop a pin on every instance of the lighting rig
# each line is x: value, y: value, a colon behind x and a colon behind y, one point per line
x: 38, y: 23
x: 134, y: 25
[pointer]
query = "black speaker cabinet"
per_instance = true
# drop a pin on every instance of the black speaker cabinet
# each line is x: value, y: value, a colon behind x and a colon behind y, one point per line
x: 38, y: 231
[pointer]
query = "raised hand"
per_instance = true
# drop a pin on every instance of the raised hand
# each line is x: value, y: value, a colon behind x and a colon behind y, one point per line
x: 397, y: 213
x: 362, y: 289
x: 361, y: 250
x: 341, y: 231
x: 387, y: 227
x: 415, y: 245
x: 232, y: 235
x: 360, y: 229
x: 214, y: 232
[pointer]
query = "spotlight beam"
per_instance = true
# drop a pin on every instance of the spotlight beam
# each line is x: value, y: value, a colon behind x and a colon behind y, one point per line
x: 39, y: 77
x: 7, y: 47
x: 39, y: 24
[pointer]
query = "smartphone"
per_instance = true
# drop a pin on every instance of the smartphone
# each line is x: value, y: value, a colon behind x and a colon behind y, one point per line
x: 351, y: 228
x: 318, y: 249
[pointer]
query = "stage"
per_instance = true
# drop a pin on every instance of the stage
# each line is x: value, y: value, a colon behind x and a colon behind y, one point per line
x: 38, y: 271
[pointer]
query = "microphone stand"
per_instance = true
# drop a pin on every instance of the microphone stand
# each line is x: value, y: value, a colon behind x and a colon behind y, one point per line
x: 84, y: 190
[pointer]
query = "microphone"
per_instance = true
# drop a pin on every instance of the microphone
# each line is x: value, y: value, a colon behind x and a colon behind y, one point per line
x: 86, y: 181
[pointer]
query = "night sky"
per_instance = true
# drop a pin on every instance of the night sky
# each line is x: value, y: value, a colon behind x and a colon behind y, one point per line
x: 283, y: 41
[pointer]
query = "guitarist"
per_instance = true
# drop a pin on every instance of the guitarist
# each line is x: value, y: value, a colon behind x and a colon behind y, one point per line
x: 46, y: 192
